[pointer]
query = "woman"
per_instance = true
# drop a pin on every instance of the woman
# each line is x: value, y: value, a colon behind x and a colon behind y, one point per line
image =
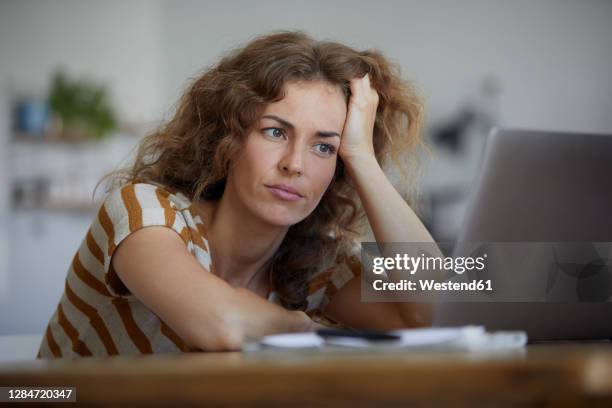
x: 251, y: 195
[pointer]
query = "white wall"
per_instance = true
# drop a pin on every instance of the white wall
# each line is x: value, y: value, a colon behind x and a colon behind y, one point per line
x: 111, y: 41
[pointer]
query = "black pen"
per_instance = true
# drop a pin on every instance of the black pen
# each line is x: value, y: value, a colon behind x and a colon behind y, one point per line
x: 361, y: 334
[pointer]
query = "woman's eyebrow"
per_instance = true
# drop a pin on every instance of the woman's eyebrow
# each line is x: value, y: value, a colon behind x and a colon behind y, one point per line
x: 290, y: 126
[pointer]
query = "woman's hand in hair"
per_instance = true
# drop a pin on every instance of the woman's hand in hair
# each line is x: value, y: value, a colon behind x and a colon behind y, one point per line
x: 357, y: 136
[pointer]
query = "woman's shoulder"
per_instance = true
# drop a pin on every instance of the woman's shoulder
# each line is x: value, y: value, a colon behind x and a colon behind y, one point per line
x: 133, y: 206
x: 134, y: 196
x: 341, y: 265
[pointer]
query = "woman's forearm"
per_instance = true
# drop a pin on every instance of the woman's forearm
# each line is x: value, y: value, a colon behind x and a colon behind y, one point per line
x: 391, y: 220
x: 253, y: 317
x: 238, y: 316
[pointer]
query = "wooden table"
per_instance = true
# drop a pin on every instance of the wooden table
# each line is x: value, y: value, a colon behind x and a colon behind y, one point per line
x: 551, y: 374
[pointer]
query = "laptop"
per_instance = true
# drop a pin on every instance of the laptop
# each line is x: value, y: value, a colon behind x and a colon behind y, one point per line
x: 540, y: 186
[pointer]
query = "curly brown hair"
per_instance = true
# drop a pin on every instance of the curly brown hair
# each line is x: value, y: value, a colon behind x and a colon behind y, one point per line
x: 193, y: 151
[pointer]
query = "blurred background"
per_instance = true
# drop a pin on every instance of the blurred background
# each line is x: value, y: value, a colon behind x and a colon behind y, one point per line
x: 82, y: 81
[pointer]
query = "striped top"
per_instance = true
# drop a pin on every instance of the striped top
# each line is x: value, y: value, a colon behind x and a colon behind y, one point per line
x: 97, y: 315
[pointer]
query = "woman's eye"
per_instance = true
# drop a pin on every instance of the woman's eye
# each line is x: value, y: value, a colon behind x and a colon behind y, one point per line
x: 275, y: 133
x: 325, y: 148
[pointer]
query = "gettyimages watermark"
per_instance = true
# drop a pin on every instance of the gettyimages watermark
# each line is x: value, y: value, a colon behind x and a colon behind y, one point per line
x: 487, y: 272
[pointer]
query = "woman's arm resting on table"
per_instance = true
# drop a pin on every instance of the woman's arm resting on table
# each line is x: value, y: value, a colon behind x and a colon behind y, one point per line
x: 203, y: 309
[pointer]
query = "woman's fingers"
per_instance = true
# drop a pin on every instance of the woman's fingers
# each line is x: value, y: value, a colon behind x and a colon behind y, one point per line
x: 361, y: 115
x: 362, y: 92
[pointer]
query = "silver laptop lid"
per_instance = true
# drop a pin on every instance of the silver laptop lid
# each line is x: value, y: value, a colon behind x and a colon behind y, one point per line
x: 542, y: 186
x: 548, y: 187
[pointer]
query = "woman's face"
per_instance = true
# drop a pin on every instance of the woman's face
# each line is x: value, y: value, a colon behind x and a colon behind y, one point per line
x: 289, y: 157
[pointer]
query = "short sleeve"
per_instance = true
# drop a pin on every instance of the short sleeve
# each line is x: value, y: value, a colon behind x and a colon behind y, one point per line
x: 129, y: 209
x: 324, y: 285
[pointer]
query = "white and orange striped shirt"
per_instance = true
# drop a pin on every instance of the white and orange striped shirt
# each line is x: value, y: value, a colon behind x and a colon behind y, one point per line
x: 97, y: 315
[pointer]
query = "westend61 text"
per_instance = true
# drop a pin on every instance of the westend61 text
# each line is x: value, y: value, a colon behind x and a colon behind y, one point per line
x: 431, y: 285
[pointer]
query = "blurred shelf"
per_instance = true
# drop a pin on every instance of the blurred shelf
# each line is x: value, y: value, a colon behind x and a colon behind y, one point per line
x: 60, y: 175
x: 29, y: 139
x: 68, y: 207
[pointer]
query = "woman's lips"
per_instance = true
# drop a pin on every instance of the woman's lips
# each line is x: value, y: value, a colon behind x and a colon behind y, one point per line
x: 283, y: 194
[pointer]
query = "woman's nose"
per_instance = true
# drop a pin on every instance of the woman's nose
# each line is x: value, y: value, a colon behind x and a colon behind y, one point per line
x: 292, y: 161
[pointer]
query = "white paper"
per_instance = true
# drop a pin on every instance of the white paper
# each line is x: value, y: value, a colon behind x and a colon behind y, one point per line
x: 293, y: 340
x: 465, y: 338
